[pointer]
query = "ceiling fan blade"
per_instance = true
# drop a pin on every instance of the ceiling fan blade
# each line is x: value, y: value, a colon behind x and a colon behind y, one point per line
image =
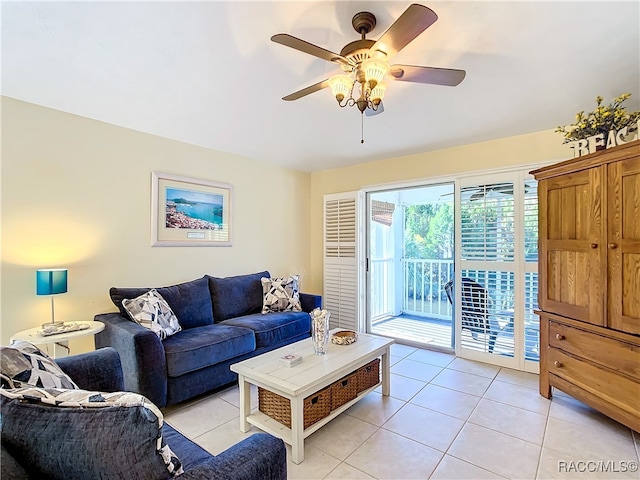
x: 370, y: 112
x: 414, y: 20
x: 432, y: 75
x: 306, y: 91
x: 306, y: 47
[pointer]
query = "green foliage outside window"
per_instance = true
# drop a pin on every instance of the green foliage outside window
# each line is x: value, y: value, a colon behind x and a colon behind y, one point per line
x: 428, y: 235
x: 429, y: 231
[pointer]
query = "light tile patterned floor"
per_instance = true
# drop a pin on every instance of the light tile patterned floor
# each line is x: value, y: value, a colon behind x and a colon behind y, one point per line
x: 446, y: 418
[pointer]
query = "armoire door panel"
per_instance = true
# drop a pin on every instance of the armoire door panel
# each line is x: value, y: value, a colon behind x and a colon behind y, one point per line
x: 568, y: 211
x: 631, y: 285
x: 568, y: 277
x: 572, y: 229
x: 623, y: 247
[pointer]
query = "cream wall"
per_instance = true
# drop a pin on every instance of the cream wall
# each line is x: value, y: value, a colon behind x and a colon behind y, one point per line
x: 535, y: 148
x: 76, y: 194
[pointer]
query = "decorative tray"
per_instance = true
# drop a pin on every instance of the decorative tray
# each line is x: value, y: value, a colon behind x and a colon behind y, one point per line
x: 344, y: 337
x: 66, y: 328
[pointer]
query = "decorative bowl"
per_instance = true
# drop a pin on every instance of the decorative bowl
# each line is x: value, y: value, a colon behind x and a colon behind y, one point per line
x: 344, y: 337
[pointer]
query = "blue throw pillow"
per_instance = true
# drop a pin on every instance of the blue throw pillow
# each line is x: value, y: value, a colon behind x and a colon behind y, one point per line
x: 236, y: 296
x: 190, y: 301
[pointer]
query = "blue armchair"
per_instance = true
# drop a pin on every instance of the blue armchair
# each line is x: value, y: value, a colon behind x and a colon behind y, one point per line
x: 259, y: 456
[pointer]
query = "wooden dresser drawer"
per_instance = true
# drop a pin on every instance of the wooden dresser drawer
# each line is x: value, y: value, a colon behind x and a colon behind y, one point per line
x: 618, y: 390
x: 608, y: 352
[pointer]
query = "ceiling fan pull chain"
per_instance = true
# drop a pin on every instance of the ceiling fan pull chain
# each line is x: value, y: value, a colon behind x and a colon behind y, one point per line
x: 362, y: 128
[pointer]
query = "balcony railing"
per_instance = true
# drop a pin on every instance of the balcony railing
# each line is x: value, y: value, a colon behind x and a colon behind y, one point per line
x: 381, y: 283
x: 420, y: 292
x: 424, y: 281
x: 422, y: 288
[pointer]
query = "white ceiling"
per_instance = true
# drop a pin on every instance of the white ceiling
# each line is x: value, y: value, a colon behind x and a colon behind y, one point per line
x: 206, y: 73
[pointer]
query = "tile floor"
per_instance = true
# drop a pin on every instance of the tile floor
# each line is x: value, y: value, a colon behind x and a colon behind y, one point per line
x: 446, y: 418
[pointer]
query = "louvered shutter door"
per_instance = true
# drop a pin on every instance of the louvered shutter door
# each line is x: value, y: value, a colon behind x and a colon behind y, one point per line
x: 341, y: 276
x: 487, y: 227
x: 531, y: 321
x: 487, y: 233
x: 499, y: 250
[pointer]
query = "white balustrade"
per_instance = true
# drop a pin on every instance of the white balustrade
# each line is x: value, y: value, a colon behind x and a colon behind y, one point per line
x: 423, y: 287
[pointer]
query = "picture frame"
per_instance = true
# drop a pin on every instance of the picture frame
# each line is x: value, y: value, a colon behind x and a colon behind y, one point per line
x: 189, y: 212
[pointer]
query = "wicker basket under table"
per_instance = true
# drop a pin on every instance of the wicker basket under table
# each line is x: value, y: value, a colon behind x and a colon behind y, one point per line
x: 316, y: 406
x: 322, y: 403
x: 344, y: 390
x: 368, y: 375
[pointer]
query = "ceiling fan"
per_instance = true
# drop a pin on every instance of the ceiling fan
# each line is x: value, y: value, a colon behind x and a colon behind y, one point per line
x: 365, y: 62
x: 480, y: 192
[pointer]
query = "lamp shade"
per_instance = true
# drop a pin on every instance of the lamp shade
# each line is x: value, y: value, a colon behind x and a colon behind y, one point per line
x: 340, y: 85
x: 51, y: 281
x: 377, y: 94
x: 374, y: 70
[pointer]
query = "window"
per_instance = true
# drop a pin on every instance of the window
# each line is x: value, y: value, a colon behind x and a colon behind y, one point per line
x: 498, y: 244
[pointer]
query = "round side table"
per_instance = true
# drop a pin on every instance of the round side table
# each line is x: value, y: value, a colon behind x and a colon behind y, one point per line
x: 60, y: 341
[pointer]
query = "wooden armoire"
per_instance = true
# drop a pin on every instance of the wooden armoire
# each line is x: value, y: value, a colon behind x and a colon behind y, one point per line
x: 589, y: 280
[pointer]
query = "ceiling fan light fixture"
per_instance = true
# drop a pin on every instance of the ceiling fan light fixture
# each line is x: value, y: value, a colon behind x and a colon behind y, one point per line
x: 365, y: 62
x: 341, y: 86
x: 374, y: 70
x: 377, y: 94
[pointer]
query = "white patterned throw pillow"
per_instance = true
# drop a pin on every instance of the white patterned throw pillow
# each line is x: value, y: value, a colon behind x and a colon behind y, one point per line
x: 153, y: 312
x: 280, y: 294
x: 23, y: 364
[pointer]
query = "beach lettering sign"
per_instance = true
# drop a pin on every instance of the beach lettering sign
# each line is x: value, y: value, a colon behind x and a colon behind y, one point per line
x: 613, y: 139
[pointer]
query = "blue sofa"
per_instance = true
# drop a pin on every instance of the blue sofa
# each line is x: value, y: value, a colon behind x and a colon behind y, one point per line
x: 221, y: 324
x: 41, y: 441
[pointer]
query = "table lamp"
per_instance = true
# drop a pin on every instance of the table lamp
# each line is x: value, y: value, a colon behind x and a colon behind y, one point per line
x: 51, y: 281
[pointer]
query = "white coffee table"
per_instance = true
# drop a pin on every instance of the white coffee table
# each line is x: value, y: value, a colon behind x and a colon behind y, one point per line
x: 298, y: 382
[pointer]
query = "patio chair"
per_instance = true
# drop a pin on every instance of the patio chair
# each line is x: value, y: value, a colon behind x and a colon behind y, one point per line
x: 475, y: 310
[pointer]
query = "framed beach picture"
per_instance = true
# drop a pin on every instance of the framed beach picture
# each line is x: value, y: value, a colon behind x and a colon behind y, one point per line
x: 189, y: 212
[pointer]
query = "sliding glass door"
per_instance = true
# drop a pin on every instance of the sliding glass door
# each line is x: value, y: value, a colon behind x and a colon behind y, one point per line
x: 410, y: 259
x: 454, y: 266
x: 496, y: 285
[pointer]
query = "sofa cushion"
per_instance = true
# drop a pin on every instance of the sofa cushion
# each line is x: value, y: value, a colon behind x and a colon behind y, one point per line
x: 273, y: 328
x: 23, y: 364
x: 190, y: 301
x: 118, y: 294
x: 153, y: 312
x: 201, y: 347
x: 77, y: 434
x: 236, y: 296
x: 280, y: 294
x: 189, y: 453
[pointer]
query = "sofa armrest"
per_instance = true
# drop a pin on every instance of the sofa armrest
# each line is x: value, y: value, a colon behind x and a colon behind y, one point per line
x: 141, y: 353
x: 309, y: 301
x: 258, y: 456
x: 10, y: 466
x: 99, y: 370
